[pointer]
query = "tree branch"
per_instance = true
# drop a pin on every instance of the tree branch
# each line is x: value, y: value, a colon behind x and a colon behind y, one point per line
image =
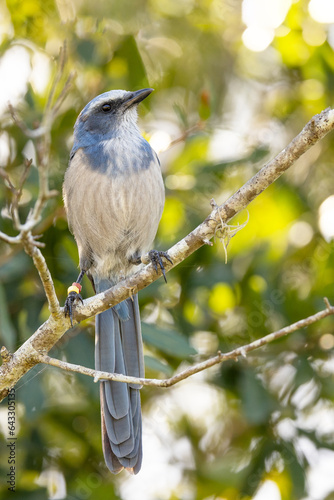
x: 53, y: 329
x: 220, y: 358
x: 43, y: 271
x: 315, y: 130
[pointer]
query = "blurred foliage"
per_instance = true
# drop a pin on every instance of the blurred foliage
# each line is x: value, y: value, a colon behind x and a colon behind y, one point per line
x: 234, y: 109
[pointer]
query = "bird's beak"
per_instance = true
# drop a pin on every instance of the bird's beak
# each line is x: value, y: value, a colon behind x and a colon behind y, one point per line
x: 136, y: 97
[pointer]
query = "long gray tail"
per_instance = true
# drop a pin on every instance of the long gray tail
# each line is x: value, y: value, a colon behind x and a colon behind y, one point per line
x: 119, y: 349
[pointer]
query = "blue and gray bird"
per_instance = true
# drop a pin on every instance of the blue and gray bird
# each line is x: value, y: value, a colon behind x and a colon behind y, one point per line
x: 114, y: 197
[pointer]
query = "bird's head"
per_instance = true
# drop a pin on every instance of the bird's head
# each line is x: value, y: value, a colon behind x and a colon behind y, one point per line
x: 109, y: 111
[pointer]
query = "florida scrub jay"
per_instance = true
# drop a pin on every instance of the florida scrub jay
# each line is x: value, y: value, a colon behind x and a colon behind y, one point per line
x: 114, y: 197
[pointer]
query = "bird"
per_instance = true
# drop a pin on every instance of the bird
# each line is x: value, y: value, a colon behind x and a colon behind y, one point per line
x: 114, y: 197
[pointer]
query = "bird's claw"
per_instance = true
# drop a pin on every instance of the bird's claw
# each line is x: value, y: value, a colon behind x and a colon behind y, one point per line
x: 156, y: 259
x: 68, y: 307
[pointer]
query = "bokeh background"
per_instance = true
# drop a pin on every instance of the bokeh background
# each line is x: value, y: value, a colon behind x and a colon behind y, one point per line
x: 234, y: 82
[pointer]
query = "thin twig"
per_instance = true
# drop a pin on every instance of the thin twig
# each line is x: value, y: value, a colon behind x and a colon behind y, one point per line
x: 220, y: 358
x: 11, y: 240
x: 198, y: 126
x: 56, y: 80
x: 63, y: 94
x: 31, y: 134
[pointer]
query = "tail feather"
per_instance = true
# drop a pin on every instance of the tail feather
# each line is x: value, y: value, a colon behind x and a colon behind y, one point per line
x: 132, y: 342
x: 110, y: 458
x: 109, y: 358
x: 137, y: 427
x: 119, y: 349
x: 104, y: 346
x: 116, y: 398
x: 119, y: 430
x: 137, y: 467
x: 135, y: 405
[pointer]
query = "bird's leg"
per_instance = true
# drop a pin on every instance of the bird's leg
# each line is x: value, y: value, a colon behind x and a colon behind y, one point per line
x: 73, y: 295
x: 135, y: 259
x: 155, y: 258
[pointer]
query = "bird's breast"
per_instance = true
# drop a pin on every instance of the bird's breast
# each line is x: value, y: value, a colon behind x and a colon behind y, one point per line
x: 114, y: 204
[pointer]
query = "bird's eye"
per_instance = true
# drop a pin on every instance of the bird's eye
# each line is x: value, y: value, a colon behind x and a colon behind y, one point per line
x: 106, y: 108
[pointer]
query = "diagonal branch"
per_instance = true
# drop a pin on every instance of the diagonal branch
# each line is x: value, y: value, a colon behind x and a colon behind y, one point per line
x: 220, y: 358
x: 313, y: 131
x: 16, y: 365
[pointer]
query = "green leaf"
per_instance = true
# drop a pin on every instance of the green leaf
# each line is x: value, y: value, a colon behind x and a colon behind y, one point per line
x: 168, y: 341
x: 257, y: 402
x: 130, y: 53
x: 296, y: 470
x: 156, y: 365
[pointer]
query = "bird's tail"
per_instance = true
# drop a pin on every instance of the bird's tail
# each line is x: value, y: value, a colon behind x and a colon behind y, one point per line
x: 119, y: 349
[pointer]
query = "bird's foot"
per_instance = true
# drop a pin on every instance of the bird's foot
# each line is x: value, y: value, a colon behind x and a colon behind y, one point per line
x: 73, y: 295
x: 155, y: 257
